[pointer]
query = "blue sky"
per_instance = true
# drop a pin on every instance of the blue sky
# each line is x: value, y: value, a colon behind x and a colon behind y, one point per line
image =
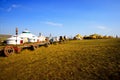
x: 60, y: 17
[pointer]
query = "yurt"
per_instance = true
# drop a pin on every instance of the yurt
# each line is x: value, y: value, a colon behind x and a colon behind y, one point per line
x: 14, y: 40
x: 78, y: 37
x: 27, y: 36
x: 54, y: 39
x: 41, y: 38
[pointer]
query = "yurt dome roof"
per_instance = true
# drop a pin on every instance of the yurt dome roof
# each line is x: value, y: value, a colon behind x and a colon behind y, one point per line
x: 26, y: 31
x: 26, y: 35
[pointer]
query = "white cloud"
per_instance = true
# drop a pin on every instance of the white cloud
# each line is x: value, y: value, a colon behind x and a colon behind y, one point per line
x: 102, y: 27
x: 53, y: 24
x: 13, y: 6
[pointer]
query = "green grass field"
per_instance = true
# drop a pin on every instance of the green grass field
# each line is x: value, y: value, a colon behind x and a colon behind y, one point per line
x: 73, y: 60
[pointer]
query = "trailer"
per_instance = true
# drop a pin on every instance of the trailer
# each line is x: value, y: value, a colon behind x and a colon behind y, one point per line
x: 16, y: 43
x: 26, y: 40
x: 11, y: 49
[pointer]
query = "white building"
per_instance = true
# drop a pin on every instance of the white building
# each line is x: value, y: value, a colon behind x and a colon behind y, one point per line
x: 26, y: 36
x: 14, y: 40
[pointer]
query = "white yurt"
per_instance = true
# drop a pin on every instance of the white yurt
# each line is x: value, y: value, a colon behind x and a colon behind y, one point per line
x: 14, y: 40
x: 41, y: 38
x: 27, y: 36
x: 55, y: 39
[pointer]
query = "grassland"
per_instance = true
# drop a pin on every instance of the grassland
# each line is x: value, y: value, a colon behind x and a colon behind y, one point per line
x: 73, y: 60
x: 4, y: 37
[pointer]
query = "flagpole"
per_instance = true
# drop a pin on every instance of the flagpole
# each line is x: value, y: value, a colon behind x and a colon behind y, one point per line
x: 16, y: 35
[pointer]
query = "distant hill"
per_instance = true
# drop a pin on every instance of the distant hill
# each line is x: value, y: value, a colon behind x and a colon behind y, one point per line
x: 4, y: 37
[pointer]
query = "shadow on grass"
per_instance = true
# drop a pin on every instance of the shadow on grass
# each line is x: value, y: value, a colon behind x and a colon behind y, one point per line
x: 2, y: 53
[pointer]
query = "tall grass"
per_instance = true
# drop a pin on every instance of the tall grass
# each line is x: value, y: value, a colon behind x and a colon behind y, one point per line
x: 73, y: 60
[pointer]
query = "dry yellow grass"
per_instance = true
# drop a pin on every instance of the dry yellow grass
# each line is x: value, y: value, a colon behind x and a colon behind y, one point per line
x: 73, y: 60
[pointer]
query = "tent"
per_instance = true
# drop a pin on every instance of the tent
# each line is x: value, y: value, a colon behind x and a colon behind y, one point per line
x: 27, y: 36
x: 78, y: 37
x: 14, y: 40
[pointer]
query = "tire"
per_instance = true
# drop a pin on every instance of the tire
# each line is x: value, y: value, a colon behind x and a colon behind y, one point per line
x: 33, y: 47
x: 8, y: 50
